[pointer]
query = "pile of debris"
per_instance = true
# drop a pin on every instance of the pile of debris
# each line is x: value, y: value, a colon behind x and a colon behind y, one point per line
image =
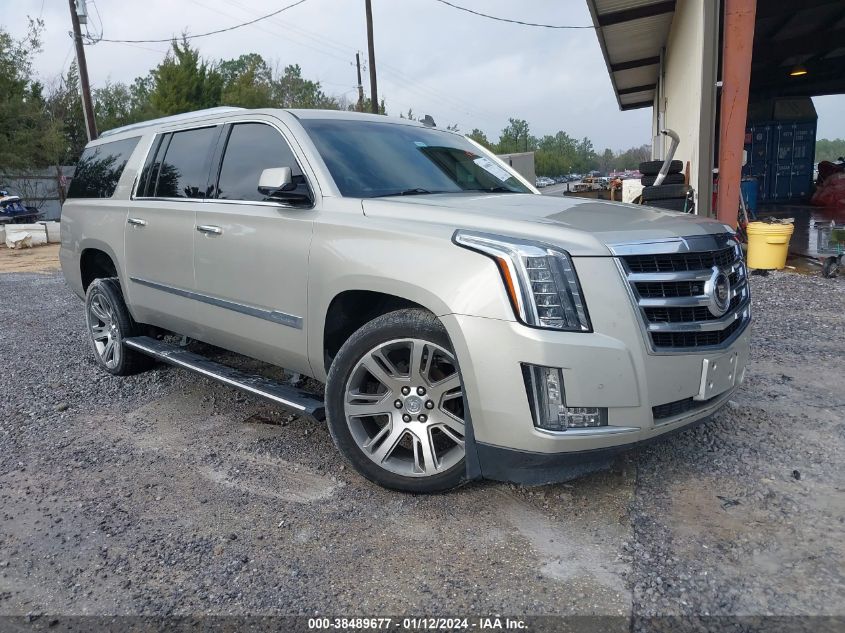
x: 830, y: 187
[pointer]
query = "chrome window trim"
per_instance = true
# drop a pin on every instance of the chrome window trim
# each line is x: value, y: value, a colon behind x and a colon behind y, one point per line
x: 140, y: 170
x: 683, y: 245
x: 274, y: 316
x: 299, y: 156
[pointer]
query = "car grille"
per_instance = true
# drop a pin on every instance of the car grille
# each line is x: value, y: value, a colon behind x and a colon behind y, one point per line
x: 674, y: 295
x: 677, y: 262
x: 672, y: 409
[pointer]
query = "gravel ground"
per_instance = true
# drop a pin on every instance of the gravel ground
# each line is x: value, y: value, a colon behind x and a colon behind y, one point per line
x: 167, y: 494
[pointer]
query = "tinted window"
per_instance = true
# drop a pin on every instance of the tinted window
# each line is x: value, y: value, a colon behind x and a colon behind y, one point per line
x: 252, y: 148
x: 99, y: 169
x: 149, y: 174
x: 369, y: 159
x: 184, y: 169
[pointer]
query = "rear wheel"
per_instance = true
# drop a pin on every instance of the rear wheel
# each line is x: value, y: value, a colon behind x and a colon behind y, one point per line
x: 394, y: 399
x: 109, y: 324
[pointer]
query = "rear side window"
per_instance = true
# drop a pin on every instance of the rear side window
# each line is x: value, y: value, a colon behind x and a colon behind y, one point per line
x: 99, y: 169
x: 252, y: 148
x: 183, y: 172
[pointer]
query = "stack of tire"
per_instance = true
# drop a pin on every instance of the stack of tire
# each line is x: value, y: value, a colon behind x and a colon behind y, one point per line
x: 673, y: 193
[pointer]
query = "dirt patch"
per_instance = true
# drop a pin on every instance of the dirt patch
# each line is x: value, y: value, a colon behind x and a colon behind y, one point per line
x: 41, y: 259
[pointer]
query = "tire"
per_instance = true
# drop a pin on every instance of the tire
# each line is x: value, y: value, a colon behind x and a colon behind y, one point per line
x: 830, y: 268
x: 109, y: 324
x: 671, y: 204
x: 652, y: 167
x: 671, y: 179
x: 665, y: 191
x: 417, y: 446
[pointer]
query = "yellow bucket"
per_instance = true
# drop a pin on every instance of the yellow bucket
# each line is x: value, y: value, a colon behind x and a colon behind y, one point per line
x: 768, y: 245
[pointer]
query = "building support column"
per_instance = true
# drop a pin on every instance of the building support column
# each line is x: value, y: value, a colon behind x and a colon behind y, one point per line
x: 737, y: 47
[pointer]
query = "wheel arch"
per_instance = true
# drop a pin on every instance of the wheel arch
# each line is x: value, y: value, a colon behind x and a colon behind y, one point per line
x: 96, y: 261
x: 350, y: 309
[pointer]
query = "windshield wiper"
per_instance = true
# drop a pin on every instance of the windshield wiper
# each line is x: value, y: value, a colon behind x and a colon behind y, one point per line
x: 495, y: 190
x: 416, y: 191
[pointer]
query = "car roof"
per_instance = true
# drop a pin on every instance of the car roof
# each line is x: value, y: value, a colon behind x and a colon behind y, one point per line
x: 214, y: 114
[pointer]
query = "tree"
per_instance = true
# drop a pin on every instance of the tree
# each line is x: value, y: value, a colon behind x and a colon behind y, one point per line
x: 113, y: 106
x: 606, y: 160
x: 516, y: 137
x: 631, y: 158
x: 247, y: 82
x: 827, y: 149
x: 65, y: 107
x: 353, y: 107
x: 29, y: 136
x: 480, y: 137
x: 183, y: 82
x: 291, y: 90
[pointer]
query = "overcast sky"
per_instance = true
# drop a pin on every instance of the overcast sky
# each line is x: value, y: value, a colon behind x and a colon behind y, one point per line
x: 457, y: 67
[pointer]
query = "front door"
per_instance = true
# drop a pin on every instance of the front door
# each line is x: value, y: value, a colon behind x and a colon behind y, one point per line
x: 159, y: 235
x: 251, y: 251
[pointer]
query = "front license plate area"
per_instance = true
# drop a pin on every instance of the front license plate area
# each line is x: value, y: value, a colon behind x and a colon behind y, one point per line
x: 718, y: 374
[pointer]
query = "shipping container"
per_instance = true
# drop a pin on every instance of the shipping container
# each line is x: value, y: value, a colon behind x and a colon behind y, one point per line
x: 758, y: 147
x: 781, y: 157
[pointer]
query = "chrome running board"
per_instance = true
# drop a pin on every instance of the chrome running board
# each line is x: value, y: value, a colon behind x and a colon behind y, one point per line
x: 296, y: 400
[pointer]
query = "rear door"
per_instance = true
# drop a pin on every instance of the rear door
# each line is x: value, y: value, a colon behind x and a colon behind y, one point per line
x: 160, y: 227
x: 251, y: 249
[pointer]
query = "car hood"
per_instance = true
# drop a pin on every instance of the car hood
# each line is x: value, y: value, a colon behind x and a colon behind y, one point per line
x: 580, y: 225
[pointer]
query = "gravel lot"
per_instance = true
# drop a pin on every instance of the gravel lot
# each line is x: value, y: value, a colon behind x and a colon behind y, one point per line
x: 167, y: 494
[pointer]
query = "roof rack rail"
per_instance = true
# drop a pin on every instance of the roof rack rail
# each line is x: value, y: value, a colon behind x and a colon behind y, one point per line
x: 175, y: 118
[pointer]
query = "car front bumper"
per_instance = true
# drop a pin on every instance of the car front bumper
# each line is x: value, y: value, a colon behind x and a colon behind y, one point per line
x: 599, y: 370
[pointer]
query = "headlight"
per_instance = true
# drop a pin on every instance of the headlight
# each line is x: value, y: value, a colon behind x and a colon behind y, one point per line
x: 540, y: 280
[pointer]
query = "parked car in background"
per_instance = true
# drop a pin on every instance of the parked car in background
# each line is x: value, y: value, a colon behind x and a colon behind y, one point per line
x: 464, y: 326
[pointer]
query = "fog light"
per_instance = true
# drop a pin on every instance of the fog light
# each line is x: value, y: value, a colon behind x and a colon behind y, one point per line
x: 547, y: 398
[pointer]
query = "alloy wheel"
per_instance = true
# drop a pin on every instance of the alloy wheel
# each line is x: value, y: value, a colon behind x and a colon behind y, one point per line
x: 404, y: 406
x: 105, y: 333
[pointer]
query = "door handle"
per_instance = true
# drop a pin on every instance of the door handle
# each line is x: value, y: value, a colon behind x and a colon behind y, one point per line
x: 209, y: 229
x: 136, y: 222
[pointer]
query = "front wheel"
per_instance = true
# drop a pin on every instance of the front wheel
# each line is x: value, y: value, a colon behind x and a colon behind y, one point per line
x: 395, y: 405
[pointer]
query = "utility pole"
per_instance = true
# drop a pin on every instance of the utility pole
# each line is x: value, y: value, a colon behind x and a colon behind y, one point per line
x: 87, y: 105
x: 372, y: 52
x: 360, y: 85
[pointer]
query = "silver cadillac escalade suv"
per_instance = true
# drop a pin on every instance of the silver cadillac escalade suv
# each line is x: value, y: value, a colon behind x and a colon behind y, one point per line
x: 464, y: 325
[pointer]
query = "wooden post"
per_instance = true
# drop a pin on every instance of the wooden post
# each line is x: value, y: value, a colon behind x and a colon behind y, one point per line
x: 82, y: 65
x: 371, y: 50
x: 360, y: 85
x: 737, y: 47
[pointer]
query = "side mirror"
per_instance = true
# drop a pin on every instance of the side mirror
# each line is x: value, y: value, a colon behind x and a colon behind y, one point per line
x: 274, y: 180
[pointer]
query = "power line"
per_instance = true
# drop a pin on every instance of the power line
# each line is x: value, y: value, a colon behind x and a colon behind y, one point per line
x: 230, y: 28
x: 498, y: 19
x: 407, y: 83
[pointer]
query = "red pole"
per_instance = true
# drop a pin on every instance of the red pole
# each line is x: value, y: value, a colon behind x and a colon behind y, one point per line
x: 737, y: 47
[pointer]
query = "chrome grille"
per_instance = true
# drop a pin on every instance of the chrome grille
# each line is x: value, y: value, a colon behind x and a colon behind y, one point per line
x: 675, y: 291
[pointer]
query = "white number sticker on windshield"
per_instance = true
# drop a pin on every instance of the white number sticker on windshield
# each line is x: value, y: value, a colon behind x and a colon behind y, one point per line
x: 492, y: 168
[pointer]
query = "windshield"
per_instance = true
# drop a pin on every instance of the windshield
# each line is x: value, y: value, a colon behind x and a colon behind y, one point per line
x: 369, y: 159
